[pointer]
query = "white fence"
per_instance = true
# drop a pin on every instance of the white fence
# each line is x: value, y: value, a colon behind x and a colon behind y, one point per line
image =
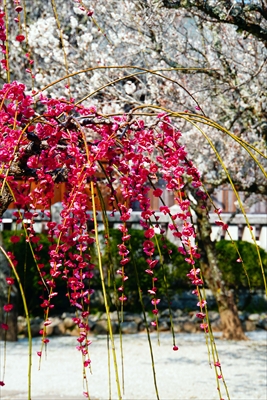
x: 238, y: 228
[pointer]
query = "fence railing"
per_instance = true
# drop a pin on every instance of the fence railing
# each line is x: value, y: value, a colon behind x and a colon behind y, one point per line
x: 238, y: 229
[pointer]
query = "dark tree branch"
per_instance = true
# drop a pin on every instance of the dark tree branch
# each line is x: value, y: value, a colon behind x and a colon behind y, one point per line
x: 5, y: 199
x: 242, y: 16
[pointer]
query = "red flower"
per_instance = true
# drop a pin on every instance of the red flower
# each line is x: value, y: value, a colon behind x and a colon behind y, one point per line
x: 18, y: 9
x: 204, y: 326
x: 20, y: 38
x: 164, y: 209
x: 8, y: 307
x: 150, y: 233
x: 146, y: 214
x: 148, y: 247
x: 14, y: 239
x: 125, y: 261
x: 126, y: 237
x: 152, y: 263
x: 157, y: 192
x: 87, y: 362
x: 201, y: 303
x: 10, y: 281
x: 200, y: 315
x: 222, y: 224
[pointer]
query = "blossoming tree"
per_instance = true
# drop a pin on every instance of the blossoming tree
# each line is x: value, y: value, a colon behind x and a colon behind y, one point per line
x: 48, y: 139
x: 216, y: 72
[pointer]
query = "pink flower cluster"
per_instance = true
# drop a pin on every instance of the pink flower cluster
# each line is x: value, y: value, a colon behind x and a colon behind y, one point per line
x: 72, y: 144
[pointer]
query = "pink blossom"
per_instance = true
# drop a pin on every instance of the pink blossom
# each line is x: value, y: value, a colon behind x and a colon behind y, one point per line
x: 164, y: 209
x: 85, y: 314
x: 126, y: 237
x: 201, y: 303
x: 149, y: 233
x: 204, y: 326
x: 87, y: 362
x: 146, y: 214
x: 200, y: 315
x: 148, y: 247
x: 157, y: 192
x: 190, y: 261
x: 8, y: 307
x: 10, y: 281
x: 152, y: 263
x: 15, y: 239
x: 182, y: 250
x: 222, y: 224
x: 125, y: 261
x: 197, y: 282
x: 20, y: 38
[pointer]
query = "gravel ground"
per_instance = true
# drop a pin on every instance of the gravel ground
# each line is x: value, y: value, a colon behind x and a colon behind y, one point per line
x: 184, y: 374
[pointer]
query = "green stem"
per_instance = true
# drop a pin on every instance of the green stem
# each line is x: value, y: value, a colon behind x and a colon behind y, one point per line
x: 147, y: 330
x: 105, y: 293
x: 27, y: 319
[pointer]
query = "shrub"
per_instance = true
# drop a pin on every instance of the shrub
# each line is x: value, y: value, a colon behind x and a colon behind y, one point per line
x: 29, y: 275
x: 233, y: 272
x: 173, y: 267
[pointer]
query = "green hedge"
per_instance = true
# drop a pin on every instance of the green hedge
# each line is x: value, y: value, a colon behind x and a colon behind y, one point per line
x: 174, y: 268
x: 29, y: 275
x: 233, y: 271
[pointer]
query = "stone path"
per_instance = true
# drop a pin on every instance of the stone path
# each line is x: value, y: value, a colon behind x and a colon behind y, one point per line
x: 181, y: 375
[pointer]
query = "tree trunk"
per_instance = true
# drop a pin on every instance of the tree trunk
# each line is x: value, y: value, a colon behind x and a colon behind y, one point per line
x: 231, y: 324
